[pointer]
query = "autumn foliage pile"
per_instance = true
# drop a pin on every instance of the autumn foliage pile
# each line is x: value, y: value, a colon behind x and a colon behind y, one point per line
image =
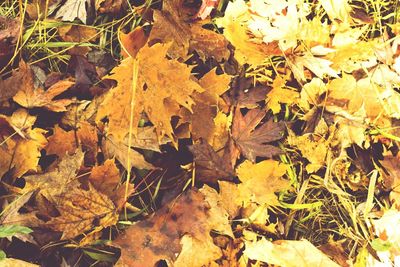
x: 207, y: 133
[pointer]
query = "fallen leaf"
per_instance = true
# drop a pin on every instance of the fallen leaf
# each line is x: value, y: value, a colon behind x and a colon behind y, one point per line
x: 235, y: 30
x: 29, y: 97
x: 209, y: 166
x: 78, y: 34
x: 10, y: 262
x: 73, y: 9
x: 158, y: 94
x: 61, y: 142
x: 105, y: 178
x: 280, y: 95
x: 57, y: 181
x: 162, y: 237
x: 81, y: 210
x: 287, y: 253
x: 119, y: 150
x: 250, y: 140
x: 171, y: 25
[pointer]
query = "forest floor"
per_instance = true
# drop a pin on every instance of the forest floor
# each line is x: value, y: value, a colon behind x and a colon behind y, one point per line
x: 199, y: 133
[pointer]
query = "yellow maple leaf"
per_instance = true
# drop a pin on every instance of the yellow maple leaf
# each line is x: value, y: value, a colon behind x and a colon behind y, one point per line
x: 158, y: 93
x: 280, y: 95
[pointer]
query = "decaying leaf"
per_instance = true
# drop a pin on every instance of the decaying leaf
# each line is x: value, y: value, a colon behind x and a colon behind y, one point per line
x: 81, y: 210
x: 250, y: 139
x: 173, y: 230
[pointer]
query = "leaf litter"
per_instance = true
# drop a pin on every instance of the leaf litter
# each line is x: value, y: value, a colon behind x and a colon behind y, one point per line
x: 199, y: 133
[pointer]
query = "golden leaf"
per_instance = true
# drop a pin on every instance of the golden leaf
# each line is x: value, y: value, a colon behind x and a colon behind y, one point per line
x: 80, y: 210
x: 61, y: 142
x: 159, y: 94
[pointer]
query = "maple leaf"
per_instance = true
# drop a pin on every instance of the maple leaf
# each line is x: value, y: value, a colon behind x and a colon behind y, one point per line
x: 162, y: 237
x: 12, y: 216
x: 210, y: 167
x: 29, y: 97
x: 73, y: 9
x: 159, y: 94
x: 59, y: 180
x: 288, y: 253
x: 80, y: 210
x: 61, y: 142
x: 105, y: 178
x: 170, y: 25
x: 250, y: 140
x: 20, y: 152
x: 280, y: 95
x: 391, y: 178
x: 260, y: 181
x: 78, y: 34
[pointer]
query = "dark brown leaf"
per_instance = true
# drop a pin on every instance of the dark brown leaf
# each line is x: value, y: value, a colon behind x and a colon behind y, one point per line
x: 252, y: 141
x: 210, y: 167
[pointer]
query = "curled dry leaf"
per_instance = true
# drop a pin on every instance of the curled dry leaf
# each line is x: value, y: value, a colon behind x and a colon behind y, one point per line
x: 175, y: 229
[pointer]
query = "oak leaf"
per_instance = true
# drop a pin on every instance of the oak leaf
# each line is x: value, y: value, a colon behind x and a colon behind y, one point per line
x: 168, y: 235
x: 250, y: 139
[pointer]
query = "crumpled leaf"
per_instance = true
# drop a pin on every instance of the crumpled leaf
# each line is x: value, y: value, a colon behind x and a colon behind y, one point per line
x: 162, y: 237
x: 209, y: 166
x: 250, y: 139
x: 80, y: 210
x: 287, y: 253
x: 73, y: 9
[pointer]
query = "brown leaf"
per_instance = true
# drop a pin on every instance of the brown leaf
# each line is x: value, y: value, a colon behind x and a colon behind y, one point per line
x: 9, y: 87
x: 80, y: 210
x: 21, y: 151
x: 184, y: 223
x: 9, y: 33
x: 105, y: 178
x: 171, y: 24
x: 251, y: 140
x: 29, y: 97
x: 78, y: 34
x: 210, y: 167
x: 132, y: 42
x: 119, y: 150
x: 61, y: 142
x: 58, y: 181
x: 11, y: 214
